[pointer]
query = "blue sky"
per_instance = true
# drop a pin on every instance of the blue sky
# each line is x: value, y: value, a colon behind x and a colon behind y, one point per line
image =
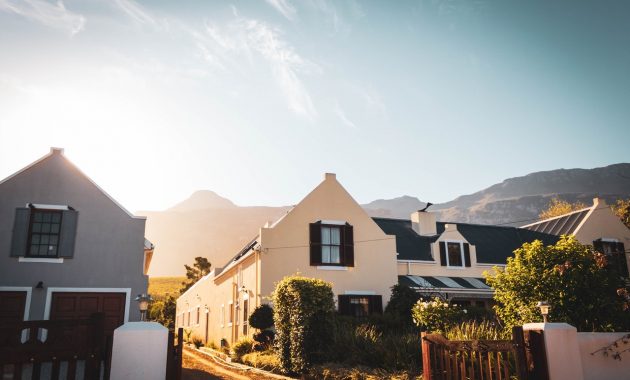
x: 257, y: 99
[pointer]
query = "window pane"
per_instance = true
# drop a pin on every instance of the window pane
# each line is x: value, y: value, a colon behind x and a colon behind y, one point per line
x: 46, y: 217
x: 45, y: 228
x: 37, y: 227
x: 334, y: 255
x: 325, y: 235
x: 35, y: 239
x: 53, y: 240
x: 53, y: 251
x: 54, y: 229
x: 326, y: 254
x: 454, y: 255
x: 37, y: 216
x: 34, y: 250
x: 335, y: 236
x: 56, y: 218
x: 44, y: 239
x: 43, y: 250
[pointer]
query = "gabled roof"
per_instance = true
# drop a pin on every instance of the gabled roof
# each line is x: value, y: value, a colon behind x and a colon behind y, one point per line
x: 494, y: 244
x: 566, y: 224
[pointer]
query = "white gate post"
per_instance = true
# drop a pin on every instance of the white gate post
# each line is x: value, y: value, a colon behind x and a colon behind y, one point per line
x: 564, y: 361
x: 139, y: 351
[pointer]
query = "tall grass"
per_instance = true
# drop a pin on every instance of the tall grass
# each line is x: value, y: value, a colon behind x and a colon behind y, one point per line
x: 473, y: 330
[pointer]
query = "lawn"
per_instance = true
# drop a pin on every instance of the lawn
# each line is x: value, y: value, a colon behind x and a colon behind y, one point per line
x: 161, y: 286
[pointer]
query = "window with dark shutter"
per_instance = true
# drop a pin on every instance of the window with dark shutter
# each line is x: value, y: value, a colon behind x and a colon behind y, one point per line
x: 19, y: 240
x: 467, y: 254
x: 331, y: 244
x: 360, y: 305
x: 44, y: 233
x: 442, y: 253
x: 348, y: 246
x: 316, y: 243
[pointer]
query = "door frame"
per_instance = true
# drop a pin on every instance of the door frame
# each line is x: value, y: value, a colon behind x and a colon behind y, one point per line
x: 50, y: 291
x: 27, y: 302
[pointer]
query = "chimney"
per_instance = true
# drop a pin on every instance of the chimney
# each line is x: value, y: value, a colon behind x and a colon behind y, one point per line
x: 423, y: 222
x: 329, y: 176
x: 55, y: 150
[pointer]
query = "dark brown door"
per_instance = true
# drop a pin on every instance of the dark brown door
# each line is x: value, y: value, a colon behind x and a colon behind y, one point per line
x: 82, y: 305
x: 12, y: 306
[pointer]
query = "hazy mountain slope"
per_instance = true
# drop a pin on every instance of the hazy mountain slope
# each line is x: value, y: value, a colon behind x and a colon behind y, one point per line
x: 394, y: 208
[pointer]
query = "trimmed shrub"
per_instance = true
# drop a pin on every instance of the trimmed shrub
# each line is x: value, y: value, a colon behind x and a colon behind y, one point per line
x: 242, y: 347
x: 436, y: 315
x: 261, y: 318
x: 266, y: 360
x: 264, y: 339
x: 303, y: 316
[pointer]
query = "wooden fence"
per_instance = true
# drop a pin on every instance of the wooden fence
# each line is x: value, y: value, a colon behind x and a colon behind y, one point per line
x: 445, y: 359
x: 174, y: 355
x: 48, y: 349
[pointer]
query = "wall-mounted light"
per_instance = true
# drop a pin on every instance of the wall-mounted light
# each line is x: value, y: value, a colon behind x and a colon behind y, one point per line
x: 544, y: 309
x: 143, y: 304
x: 40, y: 285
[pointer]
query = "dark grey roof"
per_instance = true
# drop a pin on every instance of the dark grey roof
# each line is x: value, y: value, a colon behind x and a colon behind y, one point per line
x: 494, y: 244
x: 562, y: 225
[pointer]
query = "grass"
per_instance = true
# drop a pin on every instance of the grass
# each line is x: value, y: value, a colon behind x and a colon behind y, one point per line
x: 161, y: 286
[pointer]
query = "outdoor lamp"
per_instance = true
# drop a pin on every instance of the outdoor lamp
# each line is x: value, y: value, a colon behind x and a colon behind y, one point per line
x: 544, y: 309
x: 143, y: 305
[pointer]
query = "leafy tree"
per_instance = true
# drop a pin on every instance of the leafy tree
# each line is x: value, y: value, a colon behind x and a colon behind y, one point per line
x: 570, y: 276
x: 622, y: 210
x: 436, y: 315
x: 261, y: 318
x: 200, y: 268
x: 163, y: 311
x: 402, y: 300
x: 557, y: 207
x: 304, y: 313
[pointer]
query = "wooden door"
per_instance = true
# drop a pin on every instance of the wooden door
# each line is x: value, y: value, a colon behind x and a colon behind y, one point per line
x: 12, y: 306
x: 66, y: 305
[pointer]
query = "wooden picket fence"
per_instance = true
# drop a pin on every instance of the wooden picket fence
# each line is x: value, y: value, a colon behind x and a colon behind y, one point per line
x: 445, y: 359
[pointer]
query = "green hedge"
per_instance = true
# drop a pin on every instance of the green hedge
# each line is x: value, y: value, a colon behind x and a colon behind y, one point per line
x: 304, y: 319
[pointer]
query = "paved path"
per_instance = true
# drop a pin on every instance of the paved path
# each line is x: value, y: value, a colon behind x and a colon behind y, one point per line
x: 201, y: 367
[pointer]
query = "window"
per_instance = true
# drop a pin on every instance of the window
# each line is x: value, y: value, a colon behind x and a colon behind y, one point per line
x: 188, y: 324
x: 360, y: 305
x: 44, y: 231
x: 331, y: 244
x: 245, y: 315
x: 198, y: 319
x: 231, y: 315
x: 222, y: 315
x: 454, y: 254
x: 615, y: 255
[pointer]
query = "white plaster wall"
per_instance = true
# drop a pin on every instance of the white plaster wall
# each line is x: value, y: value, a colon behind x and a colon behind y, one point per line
x: 598, y: 366
x: 139, y: 351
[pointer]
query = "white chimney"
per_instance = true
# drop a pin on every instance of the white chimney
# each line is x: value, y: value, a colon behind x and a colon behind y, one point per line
x: 423, y: 222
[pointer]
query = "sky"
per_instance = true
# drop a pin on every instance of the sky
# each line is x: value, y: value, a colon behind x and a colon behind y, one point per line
x: 255, y: 100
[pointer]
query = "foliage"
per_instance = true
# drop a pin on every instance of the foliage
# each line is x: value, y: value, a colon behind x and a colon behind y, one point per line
x: 200, y: 268
x: 242, y: 347
x: 267, y: 360
x: 616, y: 348
x: 264, y: 339
x: 557, y: 207
x: 570, y: 276
x: 335, y: 371
x: 401, y: 302
x: 162, y: 287
x: 436, y: 315
x: 162, y: 310
x: 187, y: 334
x: 197, y: 341
x: 622, y: 210
x: 303, y: 316
x: 261, y: 318
x: 364, y: 343
x: 472, y: 330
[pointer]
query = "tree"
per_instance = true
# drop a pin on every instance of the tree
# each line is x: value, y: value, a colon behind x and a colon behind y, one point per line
x: 570, y: 276
x: 200, y: 268
x: 557, y: 207
x: 163, y: 311
x: 402, y: 300
x: 622, y: 210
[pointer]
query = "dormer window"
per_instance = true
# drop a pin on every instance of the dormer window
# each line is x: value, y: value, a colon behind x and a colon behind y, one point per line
x: 331, y: 244
x: 454, y: 254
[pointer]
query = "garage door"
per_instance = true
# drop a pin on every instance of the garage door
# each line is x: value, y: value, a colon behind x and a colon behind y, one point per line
x: 82, y: 305
x: 12, y: 306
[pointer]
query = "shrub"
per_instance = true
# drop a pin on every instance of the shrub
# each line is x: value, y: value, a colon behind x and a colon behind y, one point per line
x: 436, y: 315
x: 261, y: 318
x: 472, y: 330
x: 266, y: 360
x: 264, y: 339
x: 400, y: 304
x: 242, y: 347
x: 303, y: 316
x: 198, y: 342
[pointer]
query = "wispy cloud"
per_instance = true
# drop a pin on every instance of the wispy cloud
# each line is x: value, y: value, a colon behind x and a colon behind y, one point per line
x: 52, y: 15
x: 285, y: 8
x: 225, y: 47
x: 136, y: 12
x: 342, y: 115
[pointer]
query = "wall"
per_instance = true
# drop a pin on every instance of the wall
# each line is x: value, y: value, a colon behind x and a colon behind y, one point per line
x: 109, y: 248
x: 285, y: 246
x: 598, y: 366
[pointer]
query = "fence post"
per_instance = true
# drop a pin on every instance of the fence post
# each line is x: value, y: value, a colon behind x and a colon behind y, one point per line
x: 95, y: 352
x: 426, y: 356
x: 180, y: 353
x: 521, y: 360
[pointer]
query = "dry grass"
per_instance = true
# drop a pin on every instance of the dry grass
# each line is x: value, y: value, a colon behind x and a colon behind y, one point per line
x: 161, y: 286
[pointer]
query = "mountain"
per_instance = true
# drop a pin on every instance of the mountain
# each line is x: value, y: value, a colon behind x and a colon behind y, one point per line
x: 209, y: 225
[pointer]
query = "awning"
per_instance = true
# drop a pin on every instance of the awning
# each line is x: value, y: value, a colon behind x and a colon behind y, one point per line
x: 454, y: 286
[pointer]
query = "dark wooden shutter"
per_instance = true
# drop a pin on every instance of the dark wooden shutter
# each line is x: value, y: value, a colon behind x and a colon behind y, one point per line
x: 19, y: 240
x: 598, y: 245
x: 315, y: 237
x: 348, y: 246
x: 467, y: 254
x: 443, y: 253
x: 68, y: 233
x: 623, y: 262
x: 344, y: 305
x: 376, y: 304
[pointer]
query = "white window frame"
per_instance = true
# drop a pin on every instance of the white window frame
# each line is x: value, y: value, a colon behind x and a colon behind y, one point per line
x: 461, y: 251
x: 337, y: 227
x: 222, y: 315
x: 230, y: 313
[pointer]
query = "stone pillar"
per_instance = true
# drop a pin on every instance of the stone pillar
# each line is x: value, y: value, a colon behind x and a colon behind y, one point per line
x: 139, y: 351
x: 561, y: 348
